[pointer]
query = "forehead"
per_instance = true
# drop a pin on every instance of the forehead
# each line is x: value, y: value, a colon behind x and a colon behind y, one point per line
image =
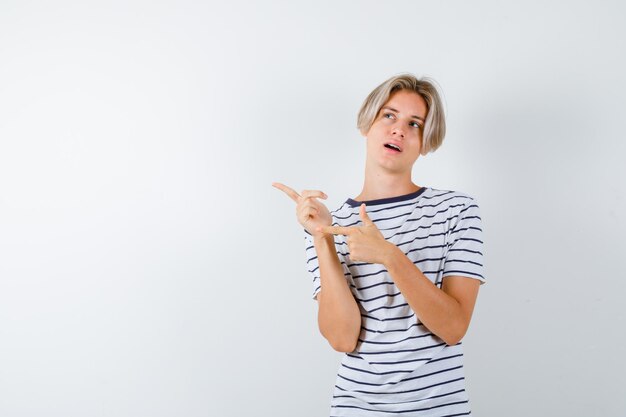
x: 407, y: 102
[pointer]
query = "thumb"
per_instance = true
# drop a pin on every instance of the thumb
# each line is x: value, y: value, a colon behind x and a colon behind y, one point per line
x: 364, y: 216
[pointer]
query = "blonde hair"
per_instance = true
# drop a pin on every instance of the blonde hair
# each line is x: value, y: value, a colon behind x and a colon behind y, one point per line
x: 435, y: 123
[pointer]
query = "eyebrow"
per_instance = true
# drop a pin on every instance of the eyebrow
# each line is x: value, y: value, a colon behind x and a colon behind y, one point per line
x: 394, y: 110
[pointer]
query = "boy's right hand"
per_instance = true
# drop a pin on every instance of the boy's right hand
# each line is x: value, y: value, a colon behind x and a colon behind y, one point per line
x: 311, y: 213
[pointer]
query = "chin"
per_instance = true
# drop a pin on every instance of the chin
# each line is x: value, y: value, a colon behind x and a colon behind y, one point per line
x: 395, y: 168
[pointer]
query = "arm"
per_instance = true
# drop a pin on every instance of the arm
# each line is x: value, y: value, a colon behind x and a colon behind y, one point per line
x: 339, y: 317
x: 445, y: 312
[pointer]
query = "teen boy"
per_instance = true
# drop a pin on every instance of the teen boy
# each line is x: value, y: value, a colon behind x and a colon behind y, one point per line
x: 396, y: 270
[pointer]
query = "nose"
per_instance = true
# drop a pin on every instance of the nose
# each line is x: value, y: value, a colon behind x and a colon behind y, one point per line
x: 397, y: 131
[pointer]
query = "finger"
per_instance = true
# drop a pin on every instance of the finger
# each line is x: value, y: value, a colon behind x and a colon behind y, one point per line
x: 307, y: 213
x: 314, y: 193
x: 287, y: 190
x: 336, y: 230
x: 364, y: 217
x: 305, y: 203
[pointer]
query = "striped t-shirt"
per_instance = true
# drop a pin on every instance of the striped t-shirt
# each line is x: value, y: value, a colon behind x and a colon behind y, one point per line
x: 398, y: 366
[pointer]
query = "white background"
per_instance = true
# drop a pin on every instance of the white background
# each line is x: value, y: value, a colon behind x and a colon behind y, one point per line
x: 148, y: 268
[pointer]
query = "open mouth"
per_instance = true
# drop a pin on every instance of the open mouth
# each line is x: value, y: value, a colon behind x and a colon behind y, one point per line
x: 393, y: 147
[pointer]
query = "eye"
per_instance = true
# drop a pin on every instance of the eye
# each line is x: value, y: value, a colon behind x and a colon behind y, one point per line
x: 388, y: 115
x: 415, y: 124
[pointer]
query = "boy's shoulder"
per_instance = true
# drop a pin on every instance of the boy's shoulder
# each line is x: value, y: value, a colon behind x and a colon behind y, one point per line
x: 441, y: 193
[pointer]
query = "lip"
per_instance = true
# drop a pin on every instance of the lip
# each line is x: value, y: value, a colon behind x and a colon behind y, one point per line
x: 392, y: 143
x: 391, y: 151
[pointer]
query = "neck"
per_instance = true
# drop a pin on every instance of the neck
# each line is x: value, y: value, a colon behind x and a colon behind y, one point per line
x: 380, y: 183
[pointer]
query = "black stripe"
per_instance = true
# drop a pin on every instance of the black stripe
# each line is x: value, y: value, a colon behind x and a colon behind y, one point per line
x: 377, y: 373
x: 396, y: 362
x: 388, y: 307
x: 379, y: 297
x: 462, y: 230
x: 360, y: 352
x: 384, y: 270
x: 358, y: 222
x: 421, y: 238
x: 427, y: 260
x: 403, y: 411
x: 388, y: 319
x: 469, y: 238
x: 444, y: 192
x: 467, y: 208
x: 432, y: 272
x: 467, y: 228
x: 404, y: 402
x: 446, y: 357
x: 391, y: 331
x: 426, y: 247
x: 426, y: 216
x: 312, y: 271
x: 397, y: 341
x: 426, y: 360
x: 374, y: 285
x: 402, y: 380
x: 369, y: 275
x: 443, y: 201
x: 405, y: 391
x: 426, y: 226
x: 466, y: 250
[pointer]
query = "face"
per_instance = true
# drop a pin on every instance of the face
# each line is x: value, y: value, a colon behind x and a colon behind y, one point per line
x: 398, y: 125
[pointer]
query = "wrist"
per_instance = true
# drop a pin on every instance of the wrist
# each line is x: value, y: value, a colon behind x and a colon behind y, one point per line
x: 323, y: 238
x: 390, y: 255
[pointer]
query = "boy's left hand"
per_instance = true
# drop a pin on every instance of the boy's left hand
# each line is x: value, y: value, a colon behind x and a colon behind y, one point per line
x: 366, y: 243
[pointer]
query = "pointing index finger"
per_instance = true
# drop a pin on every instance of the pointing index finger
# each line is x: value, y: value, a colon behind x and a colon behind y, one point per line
x: 314, y: 193
x: 287, y: 190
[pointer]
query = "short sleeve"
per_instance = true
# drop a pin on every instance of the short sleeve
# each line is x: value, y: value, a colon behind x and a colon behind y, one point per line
x: 465, y: 245
x: 311, y: 263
